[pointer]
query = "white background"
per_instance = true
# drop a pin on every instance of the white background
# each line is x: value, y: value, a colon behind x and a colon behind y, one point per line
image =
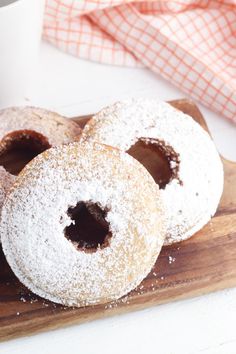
x: 201, y: 325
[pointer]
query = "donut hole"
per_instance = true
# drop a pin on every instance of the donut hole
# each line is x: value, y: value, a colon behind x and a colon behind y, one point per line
x: 89, y: 229
x: 20, y: 147
x: 159, y: 159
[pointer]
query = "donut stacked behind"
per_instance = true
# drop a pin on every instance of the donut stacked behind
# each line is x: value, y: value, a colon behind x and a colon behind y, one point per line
x: 175, y: 149
x: 35, y: 130
x: 39, y: 125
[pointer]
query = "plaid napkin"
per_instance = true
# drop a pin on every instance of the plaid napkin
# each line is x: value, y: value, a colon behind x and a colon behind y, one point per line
x: 190, y: 43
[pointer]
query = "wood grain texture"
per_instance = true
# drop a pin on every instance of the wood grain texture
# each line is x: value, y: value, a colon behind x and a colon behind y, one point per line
x: 202, y: 264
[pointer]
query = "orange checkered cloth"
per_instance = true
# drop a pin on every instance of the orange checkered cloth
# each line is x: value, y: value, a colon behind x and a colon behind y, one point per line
x: 190, y: 43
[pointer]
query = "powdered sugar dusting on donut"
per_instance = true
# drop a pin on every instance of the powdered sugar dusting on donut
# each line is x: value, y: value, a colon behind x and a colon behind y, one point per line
x: 57, y: 129
x: 6, y: 181
x: 34, y: 217
x: 188, y: 206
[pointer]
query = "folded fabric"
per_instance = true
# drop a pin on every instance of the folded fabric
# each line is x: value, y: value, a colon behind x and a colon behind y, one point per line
x: 190, y: 43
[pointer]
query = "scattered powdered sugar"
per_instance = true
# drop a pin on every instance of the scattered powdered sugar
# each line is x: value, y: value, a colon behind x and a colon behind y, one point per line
x: 34, y: 218
x: 171, y: 259
x: 191, y: 203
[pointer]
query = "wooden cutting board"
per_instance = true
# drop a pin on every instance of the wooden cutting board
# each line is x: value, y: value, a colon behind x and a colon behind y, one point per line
x: 202, y: 264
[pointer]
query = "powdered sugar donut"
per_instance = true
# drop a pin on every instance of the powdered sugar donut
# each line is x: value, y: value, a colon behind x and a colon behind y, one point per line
x: 35, y: 130
x: 78, y: 229
x: 175, y: 149
x: 35, y: 126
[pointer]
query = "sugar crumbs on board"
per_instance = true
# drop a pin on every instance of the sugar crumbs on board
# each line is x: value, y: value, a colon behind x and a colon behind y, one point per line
x: 171, y: 259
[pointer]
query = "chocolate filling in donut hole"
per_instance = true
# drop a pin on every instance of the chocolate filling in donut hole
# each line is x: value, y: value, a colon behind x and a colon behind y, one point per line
x: 161, y: 161
x: 20, y: 147
x: 89, y: 229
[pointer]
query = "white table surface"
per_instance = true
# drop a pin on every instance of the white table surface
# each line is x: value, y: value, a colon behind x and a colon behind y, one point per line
x: 206, y: 324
